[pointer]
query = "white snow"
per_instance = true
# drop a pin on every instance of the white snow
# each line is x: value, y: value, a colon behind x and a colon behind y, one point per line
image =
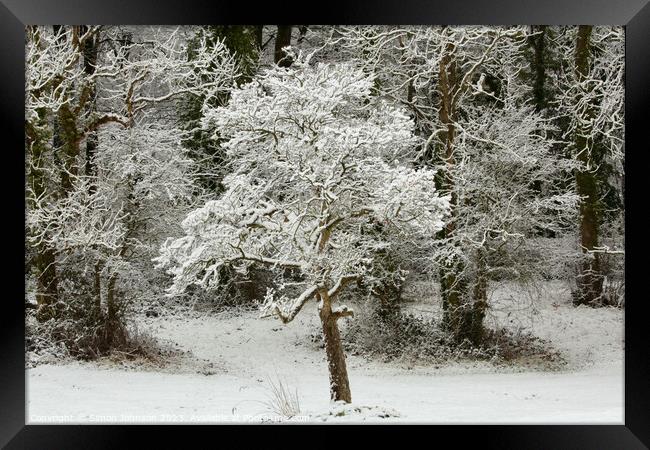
x: 246, y: 352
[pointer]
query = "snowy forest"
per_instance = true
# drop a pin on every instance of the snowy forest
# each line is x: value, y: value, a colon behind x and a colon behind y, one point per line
x: 324, y: 223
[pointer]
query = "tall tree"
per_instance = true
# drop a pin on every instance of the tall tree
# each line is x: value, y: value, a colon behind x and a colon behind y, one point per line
x: 590, y: 282
x: 463, y: 88
x: 54, y: 63
x: 319, y: 163
x: 243, y: 44
x: 65, y: 76
x: 592, y: 102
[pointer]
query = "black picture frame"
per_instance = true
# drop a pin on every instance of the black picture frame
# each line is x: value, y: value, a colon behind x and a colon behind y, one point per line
x: 15, y: 14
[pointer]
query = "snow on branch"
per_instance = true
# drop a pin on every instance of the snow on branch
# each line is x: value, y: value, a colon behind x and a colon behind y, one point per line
x: 317, y: 162
x: 342, y: 311
x: 283, y: 308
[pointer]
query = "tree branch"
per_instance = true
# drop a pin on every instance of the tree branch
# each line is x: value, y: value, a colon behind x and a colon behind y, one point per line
x: 343, y: 281
x: 273, y: 309
x: 342, y: 311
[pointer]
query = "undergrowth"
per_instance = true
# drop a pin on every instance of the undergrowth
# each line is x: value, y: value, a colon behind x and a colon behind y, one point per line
x: 53, y: 340
x: 395, y: 335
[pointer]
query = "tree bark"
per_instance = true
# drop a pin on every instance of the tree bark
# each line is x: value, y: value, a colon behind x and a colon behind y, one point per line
x: 338, y: 374
x: 66, y: 133
x: 476, y: 331
x: 460, y: 316
x: 47, y: 282
x: 282, y: 39
x: 259, y: 29
x: 97, y: 289
x: 589, y: 280
x: 90, y: 49
x: 111, y: 324
x: 538, y: 42
x: 44, y: 260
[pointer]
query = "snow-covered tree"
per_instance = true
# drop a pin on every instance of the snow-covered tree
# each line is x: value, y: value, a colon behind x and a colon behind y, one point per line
x: 491, y: 149
x: 592, y: 103
x: 98, y: 87
x: 317, y: 161
x: 240, y: 41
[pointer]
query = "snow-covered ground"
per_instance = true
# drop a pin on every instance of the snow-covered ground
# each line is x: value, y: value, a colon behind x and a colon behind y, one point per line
x: 244, y: 354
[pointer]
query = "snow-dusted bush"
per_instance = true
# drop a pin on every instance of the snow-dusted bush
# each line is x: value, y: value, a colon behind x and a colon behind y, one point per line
x: 411, y: 338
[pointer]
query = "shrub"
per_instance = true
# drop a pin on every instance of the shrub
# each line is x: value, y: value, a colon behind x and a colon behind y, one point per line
x: 391, y: 334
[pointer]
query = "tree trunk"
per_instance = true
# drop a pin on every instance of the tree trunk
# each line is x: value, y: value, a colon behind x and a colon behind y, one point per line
x: 90, y: 49
x: 538, y: 42
x: 66, y: 134
x: 111, y: 323
x: 44, y: 260
x: 66, y: 144
x: 476, y: 331
x: 65, y: 137
x: 338, y: 374
x: 540, y: 98
x: 458, y: 315
x: 589, y: 280
x: 97, y: 289
x: 464, y: 308
x: 282, y: 39
x: 47, y: 293
x: 461, y: 316
x: 259, y: 29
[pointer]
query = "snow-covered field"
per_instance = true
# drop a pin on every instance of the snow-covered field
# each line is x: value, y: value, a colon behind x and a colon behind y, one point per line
x: 237, y: 355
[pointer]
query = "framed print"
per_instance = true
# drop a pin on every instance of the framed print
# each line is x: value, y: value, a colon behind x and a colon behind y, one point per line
x: 407, y: 214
